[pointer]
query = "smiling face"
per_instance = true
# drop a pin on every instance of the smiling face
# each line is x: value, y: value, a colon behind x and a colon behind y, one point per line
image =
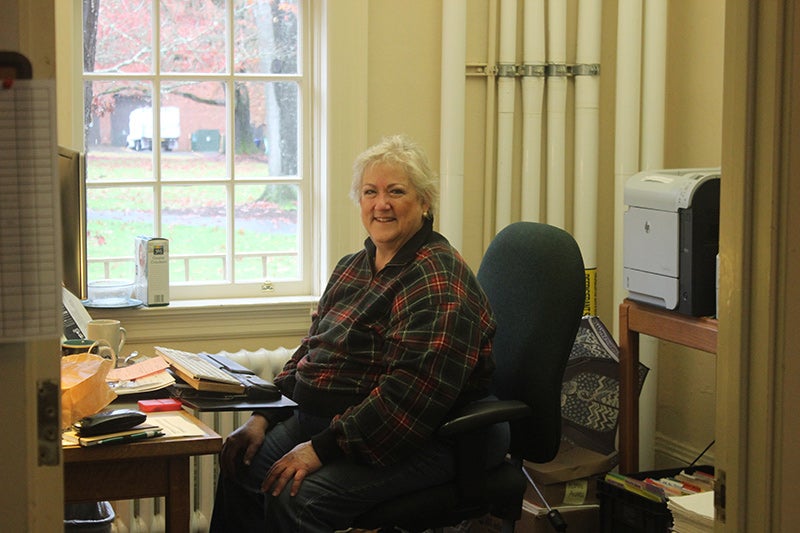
x: 391, y: 209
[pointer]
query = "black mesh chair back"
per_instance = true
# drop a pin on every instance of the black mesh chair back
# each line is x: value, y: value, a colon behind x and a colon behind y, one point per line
x: 533, y: 275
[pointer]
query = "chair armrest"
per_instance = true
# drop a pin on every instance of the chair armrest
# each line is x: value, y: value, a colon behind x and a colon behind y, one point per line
x: 483, y: 414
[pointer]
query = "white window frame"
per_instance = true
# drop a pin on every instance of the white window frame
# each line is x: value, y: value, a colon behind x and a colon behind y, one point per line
x: 339, y: 133
x: 308, y: 212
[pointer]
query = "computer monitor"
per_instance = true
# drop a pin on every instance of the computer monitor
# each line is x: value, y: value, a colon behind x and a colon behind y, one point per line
x: 72, y: 178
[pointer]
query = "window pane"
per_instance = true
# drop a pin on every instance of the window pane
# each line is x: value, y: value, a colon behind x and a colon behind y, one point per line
x: 266, y: 129
x: 193, y: 132
x: 267, y: 237
x: 114, y: 217
x: 193, y: 36
x: 118, y: 36
x: 194, y: 220
x: 266, y: 36
x: 115, y: 115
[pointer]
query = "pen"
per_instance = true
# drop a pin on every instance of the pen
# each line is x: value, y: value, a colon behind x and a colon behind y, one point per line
x: 124, y: 438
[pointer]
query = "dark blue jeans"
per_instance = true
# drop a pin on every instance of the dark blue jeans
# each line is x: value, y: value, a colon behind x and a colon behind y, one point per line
x: 330, y: 498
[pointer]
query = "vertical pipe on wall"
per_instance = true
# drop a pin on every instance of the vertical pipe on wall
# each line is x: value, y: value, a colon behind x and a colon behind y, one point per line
x: 587, y: 129
x: 505, y: 111
x: 651, y: 157
x: 654, y: 84
x: 533, y: 80
x: 556, y: 112
x: 626, y: 142
x: 453, y: 95
x: 489, y: 125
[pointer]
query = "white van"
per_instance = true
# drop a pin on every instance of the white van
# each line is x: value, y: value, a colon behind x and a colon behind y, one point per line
x: 140, y: 128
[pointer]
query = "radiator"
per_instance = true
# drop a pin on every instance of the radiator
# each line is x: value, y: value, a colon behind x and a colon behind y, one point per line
x: 147, y: 515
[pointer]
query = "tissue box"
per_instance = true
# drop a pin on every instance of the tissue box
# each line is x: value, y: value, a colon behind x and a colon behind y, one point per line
x: 152, y: 270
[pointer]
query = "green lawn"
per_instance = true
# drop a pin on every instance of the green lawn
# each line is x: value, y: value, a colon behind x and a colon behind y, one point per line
x: 193, y: 216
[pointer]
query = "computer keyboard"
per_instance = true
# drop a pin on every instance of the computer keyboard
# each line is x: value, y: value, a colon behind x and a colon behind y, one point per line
x: 217, y: 373
x: 195, y: 366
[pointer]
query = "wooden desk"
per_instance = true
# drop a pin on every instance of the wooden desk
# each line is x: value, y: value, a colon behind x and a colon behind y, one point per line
x: 635, y: 318
x: 152, y: 467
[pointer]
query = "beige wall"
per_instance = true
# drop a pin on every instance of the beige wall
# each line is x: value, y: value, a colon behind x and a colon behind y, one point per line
x: 686, y: 384
x: 404, y: 71
x: 694, y: 83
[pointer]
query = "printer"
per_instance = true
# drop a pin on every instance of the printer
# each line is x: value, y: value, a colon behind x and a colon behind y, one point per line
x: 671, y: 239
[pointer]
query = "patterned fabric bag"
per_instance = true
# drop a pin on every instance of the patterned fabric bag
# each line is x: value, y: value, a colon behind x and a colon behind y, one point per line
x: 590, y: 389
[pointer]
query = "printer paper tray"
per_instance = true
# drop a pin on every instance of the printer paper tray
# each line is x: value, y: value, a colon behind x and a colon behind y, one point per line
x: 654, y: 289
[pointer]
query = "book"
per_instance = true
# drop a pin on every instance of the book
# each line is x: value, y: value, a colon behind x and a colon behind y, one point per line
x: 199, y: 372
x: 663, y: 488
x: 142, y: 431
x: 149, y: 383
x: 147, y: 375
x: 699, y: 480
x: 636, y: 486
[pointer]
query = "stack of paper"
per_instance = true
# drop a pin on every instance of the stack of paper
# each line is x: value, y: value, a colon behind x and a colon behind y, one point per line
x: 173, y: 424
x: 142, y: 431
x: 165, y: 425
x: 148, y: 375
x: 693, y: 513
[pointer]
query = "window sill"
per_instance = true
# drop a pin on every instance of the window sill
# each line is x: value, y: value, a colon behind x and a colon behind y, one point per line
x: 214, y: 319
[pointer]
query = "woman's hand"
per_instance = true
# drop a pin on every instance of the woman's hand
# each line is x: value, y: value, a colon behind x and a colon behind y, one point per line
x: 299, y: 462
x: 242, y: 444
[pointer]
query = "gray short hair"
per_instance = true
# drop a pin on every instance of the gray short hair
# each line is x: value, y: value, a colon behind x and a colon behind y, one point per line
x: 403, y: 153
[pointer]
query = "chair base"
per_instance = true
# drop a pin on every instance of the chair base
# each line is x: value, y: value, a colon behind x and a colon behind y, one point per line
x: 439, y: 507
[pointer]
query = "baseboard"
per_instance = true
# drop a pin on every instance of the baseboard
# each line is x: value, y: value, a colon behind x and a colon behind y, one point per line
x: 670, y: 453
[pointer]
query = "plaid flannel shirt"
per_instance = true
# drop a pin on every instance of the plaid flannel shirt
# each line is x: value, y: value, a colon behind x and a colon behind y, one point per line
x: 389, y: 354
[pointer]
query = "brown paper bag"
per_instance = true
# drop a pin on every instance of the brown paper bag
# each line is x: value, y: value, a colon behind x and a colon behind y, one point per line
x: 84, y: 390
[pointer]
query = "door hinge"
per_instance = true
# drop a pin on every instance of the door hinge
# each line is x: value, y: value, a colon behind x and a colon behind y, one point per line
x: 48, y: 422
x: 719, y: 496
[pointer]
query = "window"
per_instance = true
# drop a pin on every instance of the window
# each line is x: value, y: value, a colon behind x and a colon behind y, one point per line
x: 196, y: 118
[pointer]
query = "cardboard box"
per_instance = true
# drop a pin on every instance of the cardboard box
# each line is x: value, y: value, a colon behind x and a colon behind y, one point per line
x: 572, y: 462
x: 565, y: 494
x: 582, y: 519
x: 569, y: 484
x: 152, y: 270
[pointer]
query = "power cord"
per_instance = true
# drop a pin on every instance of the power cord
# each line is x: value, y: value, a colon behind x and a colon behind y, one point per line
x: 553, y: 515
x: 701, y: 454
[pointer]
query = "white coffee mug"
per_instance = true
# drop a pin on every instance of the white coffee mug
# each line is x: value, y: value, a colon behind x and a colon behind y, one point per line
x: 109, y: 330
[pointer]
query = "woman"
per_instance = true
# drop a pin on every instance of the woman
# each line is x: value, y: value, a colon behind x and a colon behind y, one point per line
x: 402, y: 336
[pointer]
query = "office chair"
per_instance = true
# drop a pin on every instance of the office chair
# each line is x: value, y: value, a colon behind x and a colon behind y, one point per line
x: 533, y: 275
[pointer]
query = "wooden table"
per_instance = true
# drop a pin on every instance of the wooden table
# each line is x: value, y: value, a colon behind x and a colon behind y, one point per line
x: 152, y: 467
x: 635, y: 318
